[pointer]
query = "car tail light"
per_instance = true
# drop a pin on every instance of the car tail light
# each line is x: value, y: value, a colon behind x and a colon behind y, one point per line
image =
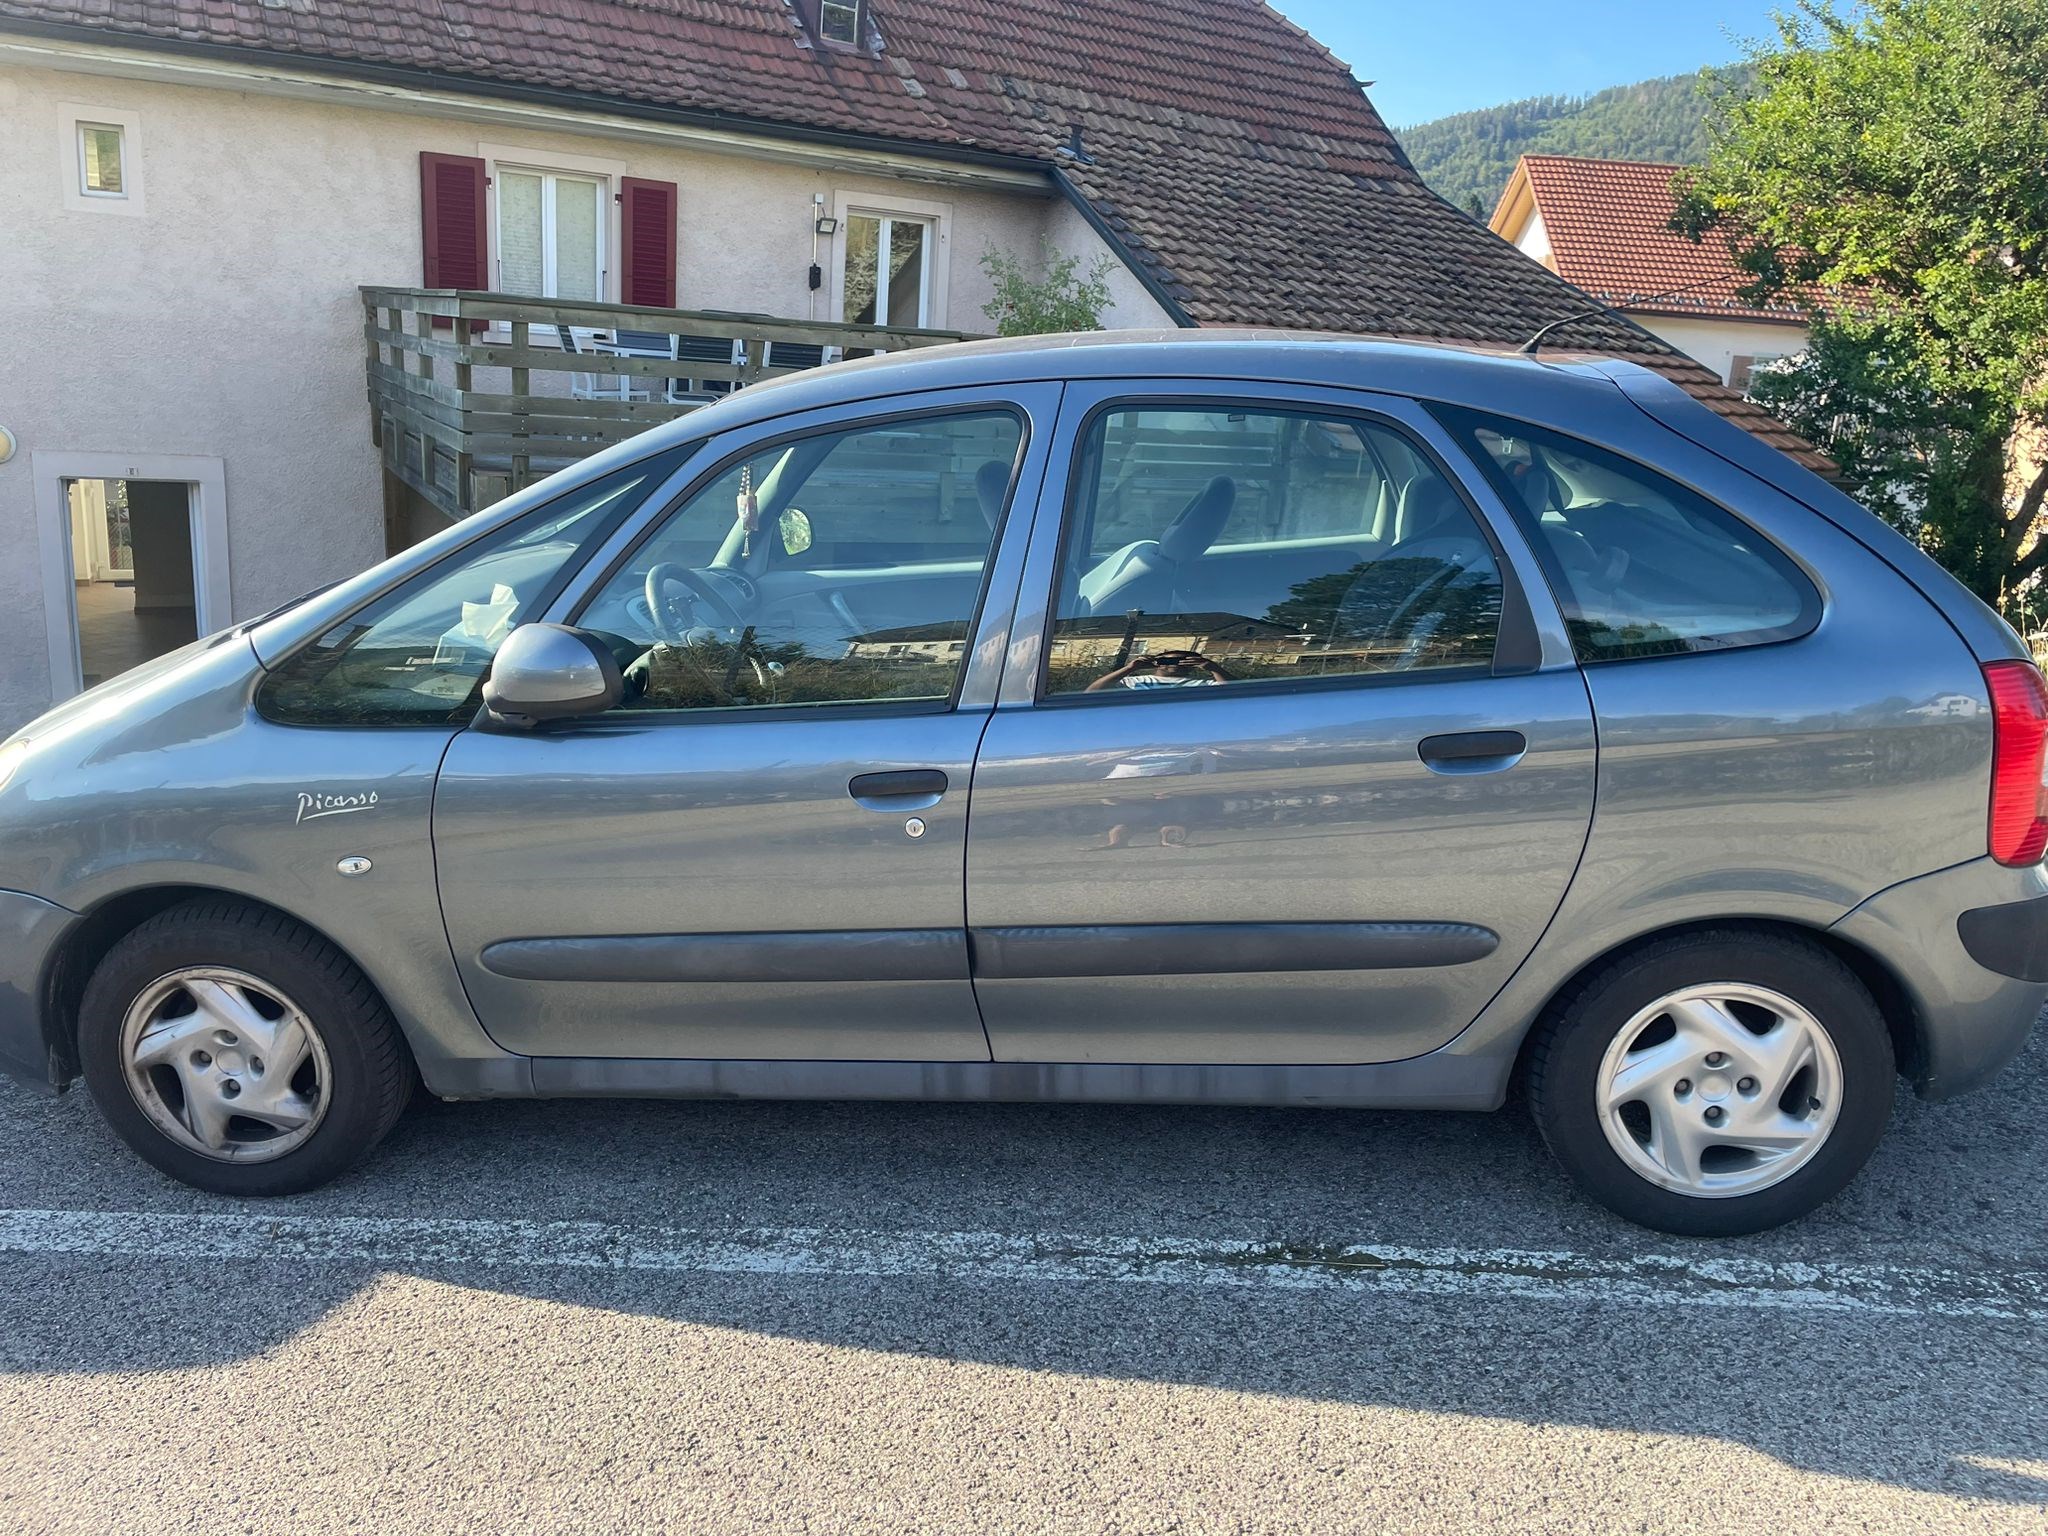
x: 2019, y: 754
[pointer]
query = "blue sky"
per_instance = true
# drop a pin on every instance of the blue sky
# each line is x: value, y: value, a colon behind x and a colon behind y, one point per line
x: 1432, y: 57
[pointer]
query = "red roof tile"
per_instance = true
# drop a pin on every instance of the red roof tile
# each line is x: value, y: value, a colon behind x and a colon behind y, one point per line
x: 1609, y: 227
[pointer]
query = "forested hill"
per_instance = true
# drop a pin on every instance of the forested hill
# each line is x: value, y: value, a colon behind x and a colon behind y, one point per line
x: 1467, y: 157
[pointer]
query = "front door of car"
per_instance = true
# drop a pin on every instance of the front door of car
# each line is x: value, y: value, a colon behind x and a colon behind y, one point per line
x: 758, y: 855
x: 1299, y: 765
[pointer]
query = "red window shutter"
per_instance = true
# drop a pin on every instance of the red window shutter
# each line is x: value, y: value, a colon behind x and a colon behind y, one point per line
x: 649, y: 223
x: 452, y: 221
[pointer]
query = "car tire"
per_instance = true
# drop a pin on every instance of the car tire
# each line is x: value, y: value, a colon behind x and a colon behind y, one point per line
x: 171, y: 1032
x: 1635, y: 1098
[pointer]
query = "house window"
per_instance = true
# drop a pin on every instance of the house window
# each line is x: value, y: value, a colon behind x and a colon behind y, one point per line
x: 551, y: 228
x: 100, y: 160
x: 888, y: 270
x: 839, y: 21
x: 1742, y: 368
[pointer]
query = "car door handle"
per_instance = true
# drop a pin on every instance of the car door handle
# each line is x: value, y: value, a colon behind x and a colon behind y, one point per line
x: 1472, y: 751
x: 900, y: 789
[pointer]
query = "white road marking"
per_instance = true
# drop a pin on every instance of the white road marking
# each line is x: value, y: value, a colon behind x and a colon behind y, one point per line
x: 2011, y: 1294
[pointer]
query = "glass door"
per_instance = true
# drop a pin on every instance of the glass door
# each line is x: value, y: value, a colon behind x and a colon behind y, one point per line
x: 888, y: 271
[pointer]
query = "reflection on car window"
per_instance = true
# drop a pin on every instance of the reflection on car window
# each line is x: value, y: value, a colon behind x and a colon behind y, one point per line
x: 417, y: 655
x: 1211, y: 547
x: 841, y: 568
x: 1643, y: 566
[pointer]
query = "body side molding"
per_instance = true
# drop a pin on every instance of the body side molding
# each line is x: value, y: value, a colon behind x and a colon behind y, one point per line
x: 879, y: 954
x: 1195, y: 949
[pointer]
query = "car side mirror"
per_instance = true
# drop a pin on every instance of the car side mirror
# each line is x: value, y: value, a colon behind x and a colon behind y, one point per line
x: 551, y: 672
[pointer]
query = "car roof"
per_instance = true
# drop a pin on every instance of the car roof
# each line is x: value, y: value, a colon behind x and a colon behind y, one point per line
x: 1476, y: 376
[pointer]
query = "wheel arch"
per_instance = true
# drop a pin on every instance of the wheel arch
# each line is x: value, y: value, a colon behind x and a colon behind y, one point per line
x: 1901, y: 1016
x: 107, y: 922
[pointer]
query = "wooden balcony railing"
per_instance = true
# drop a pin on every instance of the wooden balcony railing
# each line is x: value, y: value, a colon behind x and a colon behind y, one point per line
x: 473, y: 395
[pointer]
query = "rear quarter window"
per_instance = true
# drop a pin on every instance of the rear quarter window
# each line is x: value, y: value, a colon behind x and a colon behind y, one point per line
x: 1642, y: 566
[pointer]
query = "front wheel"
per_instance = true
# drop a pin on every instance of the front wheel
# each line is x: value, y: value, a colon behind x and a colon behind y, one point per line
x: 1714, y: 1083
x: 239, y: 1051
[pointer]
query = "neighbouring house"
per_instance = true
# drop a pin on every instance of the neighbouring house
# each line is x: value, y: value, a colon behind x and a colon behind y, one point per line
x: 288, y: 282
x: 1605, y: 226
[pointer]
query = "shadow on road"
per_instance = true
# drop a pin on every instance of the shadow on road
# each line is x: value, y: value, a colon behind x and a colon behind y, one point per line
x: 1927, y: 1403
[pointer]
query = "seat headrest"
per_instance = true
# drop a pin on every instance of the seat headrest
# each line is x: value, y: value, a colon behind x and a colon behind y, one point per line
x: 1200, y: 522
x: 1538, y: 488
x: 991, y: 482
x: 1426, y: 507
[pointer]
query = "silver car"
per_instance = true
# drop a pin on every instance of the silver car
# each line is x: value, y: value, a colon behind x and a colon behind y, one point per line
x: 1193, y: 719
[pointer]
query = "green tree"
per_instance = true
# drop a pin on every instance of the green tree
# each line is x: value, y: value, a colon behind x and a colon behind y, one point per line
x: 1062, y: 300
x: 1892, y: 165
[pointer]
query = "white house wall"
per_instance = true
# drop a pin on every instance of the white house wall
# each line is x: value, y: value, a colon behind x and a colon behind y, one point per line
x: 224, y: 320
x: 1131, y: 305
x: 1717, y: 343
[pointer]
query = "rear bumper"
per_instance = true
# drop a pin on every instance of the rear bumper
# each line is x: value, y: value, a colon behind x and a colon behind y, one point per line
x: 1969, y: 945
x: 30, y: 931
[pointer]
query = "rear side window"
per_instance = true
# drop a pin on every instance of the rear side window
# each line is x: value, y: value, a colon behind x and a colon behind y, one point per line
x: 1211, y: 545
x: 1641, y: 565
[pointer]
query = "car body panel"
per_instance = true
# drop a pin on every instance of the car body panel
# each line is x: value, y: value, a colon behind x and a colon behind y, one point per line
x: 32, y: 933
x: 736, y: 828
x: 1277, y: 809
x: 176, y: 783
x: 1981, y: 1016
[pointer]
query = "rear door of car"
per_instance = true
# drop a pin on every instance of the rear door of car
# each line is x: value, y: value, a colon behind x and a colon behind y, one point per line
x: 1308, y: 795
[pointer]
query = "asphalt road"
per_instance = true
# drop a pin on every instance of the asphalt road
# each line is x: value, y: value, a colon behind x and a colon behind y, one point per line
x: 848, y: 1318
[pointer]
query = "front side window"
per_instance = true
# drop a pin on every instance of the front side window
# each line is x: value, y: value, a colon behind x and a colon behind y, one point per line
x: 1641, y: 565
x: 888, y: 270
x: 101, y: 172
x: 1209, y: 546
x: 841, y: 568
x: 417, y: 655
x: 550, y: 234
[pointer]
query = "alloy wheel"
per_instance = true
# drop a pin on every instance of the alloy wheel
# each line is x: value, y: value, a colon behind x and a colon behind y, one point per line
x: 1719, y: 1090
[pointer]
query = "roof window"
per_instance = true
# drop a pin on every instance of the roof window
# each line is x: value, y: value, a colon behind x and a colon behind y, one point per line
x: 836, y: 23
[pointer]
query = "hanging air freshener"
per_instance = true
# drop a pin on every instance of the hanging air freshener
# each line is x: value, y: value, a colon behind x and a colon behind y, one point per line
x: 749, y: 511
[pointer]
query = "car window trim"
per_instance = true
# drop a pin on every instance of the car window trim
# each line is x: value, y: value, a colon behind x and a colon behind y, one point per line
x: 862, y: 708
x: 1461, y: 420
x: 1517, y: 647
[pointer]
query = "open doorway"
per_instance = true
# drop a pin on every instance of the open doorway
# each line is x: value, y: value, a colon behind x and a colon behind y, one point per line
x: 132, y: 572
x: 134, y: 555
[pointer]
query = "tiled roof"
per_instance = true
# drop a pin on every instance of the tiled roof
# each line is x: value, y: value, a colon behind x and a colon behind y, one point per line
x: 1609, y: 227
x: 1237, y: 160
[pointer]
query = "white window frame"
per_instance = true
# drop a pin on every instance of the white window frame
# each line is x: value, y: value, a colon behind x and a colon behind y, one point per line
x: 73, y: 118
x: 610, y: 177
x: 212, y: 592
x: 550, y: 179
x: 938, y: 219
x: 860, y: 18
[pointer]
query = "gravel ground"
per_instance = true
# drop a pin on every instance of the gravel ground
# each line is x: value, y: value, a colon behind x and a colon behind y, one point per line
x: 716, y: 1317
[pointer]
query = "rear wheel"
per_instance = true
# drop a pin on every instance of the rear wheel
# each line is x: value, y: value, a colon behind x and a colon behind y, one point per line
x: 1714, y: 1083
x: 239, y: 1051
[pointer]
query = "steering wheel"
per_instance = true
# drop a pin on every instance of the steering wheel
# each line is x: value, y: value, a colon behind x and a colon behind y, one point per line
x: 673, y: 626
